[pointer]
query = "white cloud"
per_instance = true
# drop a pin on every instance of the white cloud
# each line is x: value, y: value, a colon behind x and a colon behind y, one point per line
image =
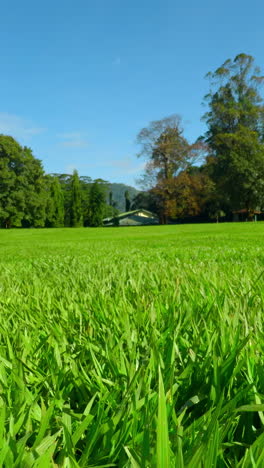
x: 73, y: 140
x: 116, y: 167
x: 69, y: 135
x: 77, y: 143
x: 70, y: 168
x: 126, y: 166
x: 18, y: 127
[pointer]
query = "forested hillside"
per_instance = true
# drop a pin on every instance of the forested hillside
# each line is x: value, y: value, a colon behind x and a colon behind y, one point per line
x: 119, y: 194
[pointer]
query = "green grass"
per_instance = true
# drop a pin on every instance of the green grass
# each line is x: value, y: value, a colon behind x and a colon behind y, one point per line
x: 132, y: 347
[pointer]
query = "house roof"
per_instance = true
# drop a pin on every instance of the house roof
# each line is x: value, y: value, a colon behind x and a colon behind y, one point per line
x: 244, y: 210
x: 131, y: 213
x: 140, y: 210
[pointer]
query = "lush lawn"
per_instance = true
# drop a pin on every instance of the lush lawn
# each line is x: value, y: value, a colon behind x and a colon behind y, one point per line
x: 132, y: 347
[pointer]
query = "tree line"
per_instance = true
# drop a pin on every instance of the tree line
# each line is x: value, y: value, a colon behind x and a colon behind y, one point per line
x: 221, y: 172
x: 31, y: 198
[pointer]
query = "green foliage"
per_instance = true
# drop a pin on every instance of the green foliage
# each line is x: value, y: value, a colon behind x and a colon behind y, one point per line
x: 235, y: 133
x: 163, y: 441
x: 85, y: 184
x: 127, y: 199
x: 173, y: 187
x: 141, y: 348
x: 166, y: 149
x: 118, y: 195
x: 22, y: 187
x: 147, y: 200
x: 65, y: 183
x: 55, y: 205
x: 96, y: 204
x: 76, y: 211
x: 109, y: 209
x: 168, y: 155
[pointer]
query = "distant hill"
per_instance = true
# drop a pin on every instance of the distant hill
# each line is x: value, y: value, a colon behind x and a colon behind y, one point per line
x: 118, y: 191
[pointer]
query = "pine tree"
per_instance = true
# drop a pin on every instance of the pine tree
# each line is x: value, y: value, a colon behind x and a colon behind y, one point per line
x: 55, y: 203
x: 127, y: 198
x: 96, y: 205
x: 76, y: 211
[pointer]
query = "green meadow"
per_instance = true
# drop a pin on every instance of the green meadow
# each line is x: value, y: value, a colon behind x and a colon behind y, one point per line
x: 132, y: 347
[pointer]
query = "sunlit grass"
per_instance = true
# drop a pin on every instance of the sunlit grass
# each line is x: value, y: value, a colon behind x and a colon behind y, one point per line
x: 132, y: 347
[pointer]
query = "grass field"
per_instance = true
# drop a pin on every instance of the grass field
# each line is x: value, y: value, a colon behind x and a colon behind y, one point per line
x: 132, y: 347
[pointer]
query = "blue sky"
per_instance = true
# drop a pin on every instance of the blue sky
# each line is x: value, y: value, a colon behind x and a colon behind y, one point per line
x: 79, y: 79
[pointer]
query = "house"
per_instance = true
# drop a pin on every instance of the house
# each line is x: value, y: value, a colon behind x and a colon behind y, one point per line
x: 138, y: 217
x: 246, y: 215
